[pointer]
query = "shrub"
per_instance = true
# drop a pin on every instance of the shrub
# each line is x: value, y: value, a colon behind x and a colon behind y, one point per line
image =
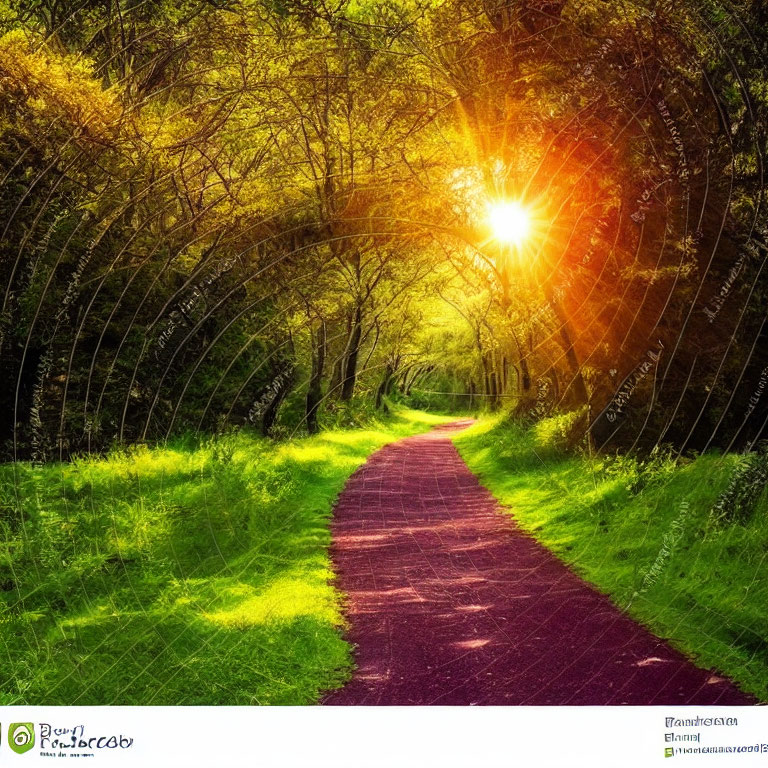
x: 563, y: 432
x: 738, y: 501
x: 639, y: 472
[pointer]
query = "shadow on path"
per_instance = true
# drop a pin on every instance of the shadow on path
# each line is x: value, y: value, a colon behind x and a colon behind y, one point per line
x: 450, y: 603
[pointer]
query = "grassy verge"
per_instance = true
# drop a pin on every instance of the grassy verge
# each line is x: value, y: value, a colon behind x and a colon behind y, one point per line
x: 190, y: 574
x: 645, y: 535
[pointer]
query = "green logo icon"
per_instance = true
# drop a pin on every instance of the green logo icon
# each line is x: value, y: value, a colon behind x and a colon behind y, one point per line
x: 21, y: 737
x: 669, y: 752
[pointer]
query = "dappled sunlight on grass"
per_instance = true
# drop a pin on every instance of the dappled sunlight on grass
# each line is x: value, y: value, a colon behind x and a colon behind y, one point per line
x: 285, y: 598
x: 194, y: 573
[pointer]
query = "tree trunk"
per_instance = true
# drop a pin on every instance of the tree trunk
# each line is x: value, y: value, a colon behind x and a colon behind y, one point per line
x: 525, y: 378
x: 384, y: 386
x: 577, y: 382
x: 315, y: 389
x: 421, y: 373
x: 417, y: 372
x: 526, y: 374
x: 285, y: 385
x: 577, y: 385
x: 494, y: 389
x: 350, y: 368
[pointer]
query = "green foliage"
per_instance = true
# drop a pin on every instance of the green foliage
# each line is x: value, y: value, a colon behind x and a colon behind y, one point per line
x: 198, y: 194
x: 355, y: 414
x: 746, y: 489
x: 561, y: 432
x: 197, y: 573
x: 444, y: 402
x: 640, y: 471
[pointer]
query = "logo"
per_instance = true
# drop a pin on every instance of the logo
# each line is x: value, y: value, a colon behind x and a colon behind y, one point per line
x: 65, y: 738
x: 669, y: 752
x: 21, y: 737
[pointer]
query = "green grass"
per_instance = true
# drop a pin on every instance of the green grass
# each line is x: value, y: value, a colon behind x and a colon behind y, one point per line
x: 644, y: 535
x: 196, y: 573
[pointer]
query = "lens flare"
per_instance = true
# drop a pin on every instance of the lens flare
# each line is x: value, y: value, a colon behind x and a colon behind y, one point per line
x: 510, y: 222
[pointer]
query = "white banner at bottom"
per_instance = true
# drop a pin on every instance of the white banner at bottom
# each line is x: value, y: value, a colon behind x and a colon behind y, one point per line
x: 385, y: 737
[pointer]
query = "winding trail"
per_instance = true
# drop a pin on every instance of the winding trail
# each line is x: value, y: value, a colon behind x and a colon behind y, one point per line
x: 450, y: 603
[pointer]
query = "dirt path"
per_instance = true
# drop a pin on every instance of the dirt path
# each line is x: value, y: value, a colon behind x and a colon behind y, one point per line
x: 450, y: 603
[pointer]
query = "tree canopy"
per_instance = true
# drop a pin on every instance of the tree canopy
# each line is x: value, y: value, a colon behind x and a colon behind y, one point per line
x: 232, y: 212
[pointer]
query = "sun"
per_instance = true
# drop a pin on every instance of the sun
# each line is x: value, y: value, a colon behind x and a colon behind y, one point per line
x: 510, y: 222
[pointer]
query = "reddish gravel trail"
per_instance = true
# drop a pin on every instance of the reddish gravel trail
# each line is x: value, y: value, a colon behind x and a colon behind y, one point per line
x: 450, y: 603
